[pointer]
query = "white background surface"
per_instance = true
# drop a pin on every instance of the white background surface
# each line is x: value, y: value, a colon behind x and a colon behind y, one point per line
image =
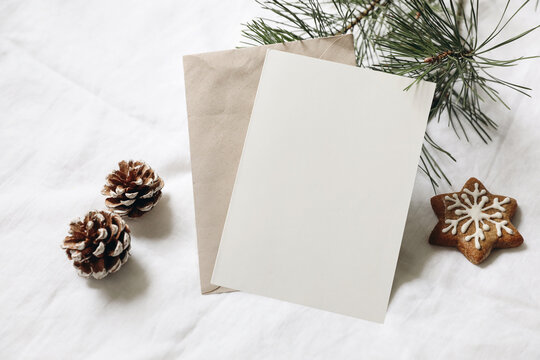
x: 86, y: 84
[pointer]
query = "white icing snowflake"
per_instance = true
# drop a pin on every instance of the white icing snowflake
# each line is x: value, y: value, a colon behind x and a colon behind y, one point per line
x: 475, y: 212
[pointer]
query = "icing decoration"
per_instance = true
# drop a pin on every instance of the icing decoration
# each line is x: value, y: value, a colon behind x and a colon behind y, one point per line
x: 473, y: 206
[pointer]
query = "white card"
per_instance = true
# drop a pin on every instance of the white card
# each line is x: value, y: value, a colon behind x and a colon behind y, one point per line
x: 323, y: 186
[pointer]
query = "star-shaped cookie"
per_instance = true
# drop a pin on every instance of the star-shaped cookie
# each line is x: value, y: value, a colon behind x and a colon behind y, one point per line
x: 475, y: 221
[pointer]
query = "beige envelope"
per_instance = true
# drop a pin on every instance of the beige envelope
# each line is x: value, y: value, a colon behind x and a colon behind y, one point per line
x: 220, y: 91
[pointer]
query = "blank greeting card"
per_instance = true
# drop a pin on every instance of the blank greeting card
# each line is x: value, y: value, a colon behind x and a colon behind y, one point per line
x: 323, y: 186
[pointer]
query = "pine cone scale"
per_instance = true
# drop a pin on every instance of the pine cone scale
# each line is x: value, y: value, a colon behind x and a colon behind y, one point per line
x: 114, y: 268
x: 98, y: 269
x: 74, y: 245
x: 117, y: 250
x: 99, y: 250
x: 132, y: 195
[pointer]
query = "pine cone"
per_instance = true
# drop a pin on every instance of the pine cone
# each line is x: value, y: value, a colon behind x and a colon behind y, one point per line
x: 99, y: 244
x: 132, y: 190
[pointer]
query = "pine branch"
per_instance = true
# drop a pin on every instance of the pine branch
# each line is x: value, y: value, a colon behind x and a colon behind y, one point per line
x: 368, y: 10
x: 431, y: 47
x: 304, y: 19
x: 434, y: 40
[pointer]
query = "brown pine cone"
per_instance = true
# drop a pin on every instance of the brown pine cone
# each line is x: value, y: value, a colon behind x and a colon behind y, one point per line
x: 99, y: 244
x: 132, y: 190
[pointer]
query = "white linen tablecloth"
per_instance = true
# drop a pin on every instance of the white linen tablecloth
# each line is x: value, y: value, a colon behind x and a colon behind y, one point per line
x: 85, y: 84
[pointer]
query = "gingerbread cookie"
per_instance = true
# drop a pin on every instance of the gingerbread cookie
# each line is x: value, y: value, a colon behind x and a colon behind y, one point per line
x: 475, y: 221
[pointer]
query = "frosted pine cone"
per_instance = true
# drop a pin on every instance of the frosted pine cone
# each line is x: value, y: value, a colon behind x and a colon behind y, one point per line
x: 132, y: 190
x: 99, y: 244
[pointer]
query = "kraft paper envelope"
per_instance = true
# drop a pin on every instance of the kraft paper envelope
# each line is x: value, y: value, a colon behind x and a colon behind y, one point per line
x: 323, y: 186
x: 220, y: 90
